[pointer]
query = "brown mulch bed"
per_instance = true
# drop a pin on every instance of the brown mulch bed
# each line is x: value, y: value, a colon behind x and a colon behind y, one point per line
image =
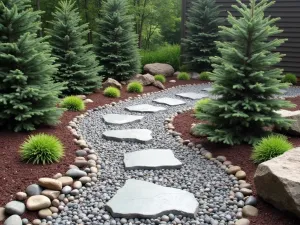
x: 16, y: 175
x: 240, y: 155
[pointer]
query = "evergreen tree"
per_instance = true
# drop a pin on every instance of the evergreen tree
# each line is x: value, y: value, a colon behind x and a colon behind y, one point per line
x: 28, y: 94
x: 116, y: 42
x: 202, y: 32
x: 245, y: 79
x: 78, y: 66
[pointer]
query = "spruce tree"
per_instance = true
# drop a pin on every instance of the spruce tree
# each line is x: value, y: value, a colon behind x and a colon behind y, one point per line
x: 202, y: 32
x: 28, y: 94
x: 246, y: 80
x: 116, y: 42
x: 78, y: 66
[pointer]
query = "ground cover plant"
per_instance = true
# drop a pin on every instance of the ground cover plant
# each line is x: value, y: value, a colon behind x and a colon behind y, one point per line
x: 112, y: 92
x: 202, y: 32
x: 169, y: 54
x: 28, y: 94
x: 78, y: 66
x: 135, y: 87
x: 160, y: 78
x: 246, y: 79
x: 183, y: 76
x: 42, y: 149
x: 73, y: 103
x: 116, y: 43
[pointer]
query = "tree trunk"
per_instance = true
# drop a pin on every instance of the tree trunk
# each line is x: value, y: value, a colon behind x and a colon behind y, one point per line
x: 87, y: 21
x: 38, y: 7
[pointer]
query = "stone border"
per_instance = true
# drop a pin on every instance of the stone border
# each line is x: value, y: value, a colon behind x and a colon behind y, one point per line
x: 241, y: 192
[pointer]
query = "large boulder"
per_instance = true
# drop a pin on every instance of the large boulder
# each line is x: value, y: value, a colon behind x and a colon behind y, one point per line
x: 159, y: 68
x: 277, y: 181
x: 294, y: 115
x: 145, y: 80
x: 111, y: 83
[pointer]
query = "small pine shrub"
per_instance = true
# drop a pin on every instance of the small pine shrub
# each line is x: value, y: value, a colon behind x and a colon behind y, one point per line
x: 270, y: 147
x: 112, y: 92
x: 42, y: 149
x: 183, y: 76
x: 160, y: 78
x: 204, y: 76
x: 73, y: 103
x: 200, y: 104
x: 290, y: 78
x: 135, y: 87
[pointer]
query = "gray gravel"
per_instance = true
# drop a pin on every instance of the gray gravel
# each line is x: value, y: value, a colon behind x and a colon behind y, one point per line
x: 207, y: 180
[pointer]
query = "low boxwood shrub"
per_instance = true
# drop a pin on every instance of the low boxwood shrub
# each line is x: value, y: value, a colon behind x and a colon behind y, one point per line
x: 204, y: 76
x: 290, y: 78
x: 160, y: 78
x: 42, y: 149
x: 270, y: 147
x: 112, y: 92
x: 73, y: 103
x: 135, y: 87
x: 183, y: 76
x: 200, y: 104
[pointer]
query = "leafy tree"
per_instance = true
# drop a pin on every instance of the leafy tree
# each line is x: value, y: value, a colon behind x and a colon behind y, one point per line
x: 245, y: 79
x: 202, y: 32
x: 116, y: 42
x: 77, y: 62
x: 28, y: 94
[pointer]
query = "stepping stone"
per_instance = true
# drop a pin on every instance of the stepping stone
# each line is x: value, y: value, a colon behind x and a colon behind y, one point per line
x: 141, y: 199
x: 151, y: 159
x: 169, y: 101
x: 120, y: 118
x: 145, y: 108
x: 192, y: 95
x: 207, y: 89
x: 138, y: 135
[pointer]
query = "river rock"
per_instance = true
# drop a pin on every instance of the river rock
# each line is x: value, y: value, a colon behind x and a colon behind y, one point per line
x: 50, y: 183
x: 38, y: 202
x: 13, y: 220
x: 250, y: 211
x: 51, y: 194
x: 76, y: 173
x: 34, y: 189
x: 15, y: 207
x: 65, y: 180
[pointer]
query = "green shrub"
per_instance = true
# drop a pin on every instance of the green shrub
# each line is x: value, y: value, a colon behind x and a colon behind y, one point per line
x: 270, y: 147
x: 169, y: 54
x: 200, y: 104
x: 135, y: 87
x: 204, y: 76
x: 112, y: 92
x: 160, y: 78
x: 290, y: 78
x: 42, y: 149
x: 73, y: 103
x: 183, y: 68
x: 183, y: 76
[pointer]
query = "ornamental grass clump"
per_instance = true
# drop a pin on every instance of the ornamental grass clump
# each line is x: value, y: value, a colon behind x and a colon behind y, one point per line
x: 73, y: 103
x: 183, y: 76
x: 160, y: 78
x: 135, y: 87
x: 42, y: 149
x: 204, y: 76
x: 290, y: 78
x: 270, y: 147
x: 200, y: 105
x: 112, y: 92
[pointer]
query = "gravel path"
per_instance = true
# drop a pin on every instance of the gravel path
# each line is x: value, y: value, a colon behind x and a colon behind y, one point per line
x: 207, y: 180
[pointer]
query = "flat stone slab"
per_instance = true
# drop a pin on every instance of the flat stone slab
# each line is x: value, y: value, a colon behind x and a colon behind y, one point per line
x: 141, y: 199
x: 120, y: 118
x: 193, y: 95
x: 169, y: 101
x: 137, y: 135
x: 151, y: 159
x: 145, y: 108
x: 207, y: 89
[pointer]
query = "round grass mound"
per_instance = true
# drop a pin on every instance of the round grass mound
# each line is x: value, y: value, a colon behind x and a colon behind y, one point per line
x: 73, y: 103
x: 42, y: 149
x: 112, y: 92
x: 135, y: 87
x: 183, y: 76
x: 270, y: 147
x: 160, y: 78
x: 204, y: 76
x: 201, y: 104
x: 290, y: 78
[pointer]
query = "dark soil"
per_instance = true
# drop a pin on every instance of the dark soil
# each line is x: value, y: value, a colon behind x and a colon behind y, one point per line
x: 240, y: 155
x: 16, y: 175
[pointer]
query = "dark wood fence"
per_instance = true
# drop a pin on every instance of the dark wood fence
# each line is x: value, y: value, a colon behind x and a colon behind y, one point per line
x: 288, y: 11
